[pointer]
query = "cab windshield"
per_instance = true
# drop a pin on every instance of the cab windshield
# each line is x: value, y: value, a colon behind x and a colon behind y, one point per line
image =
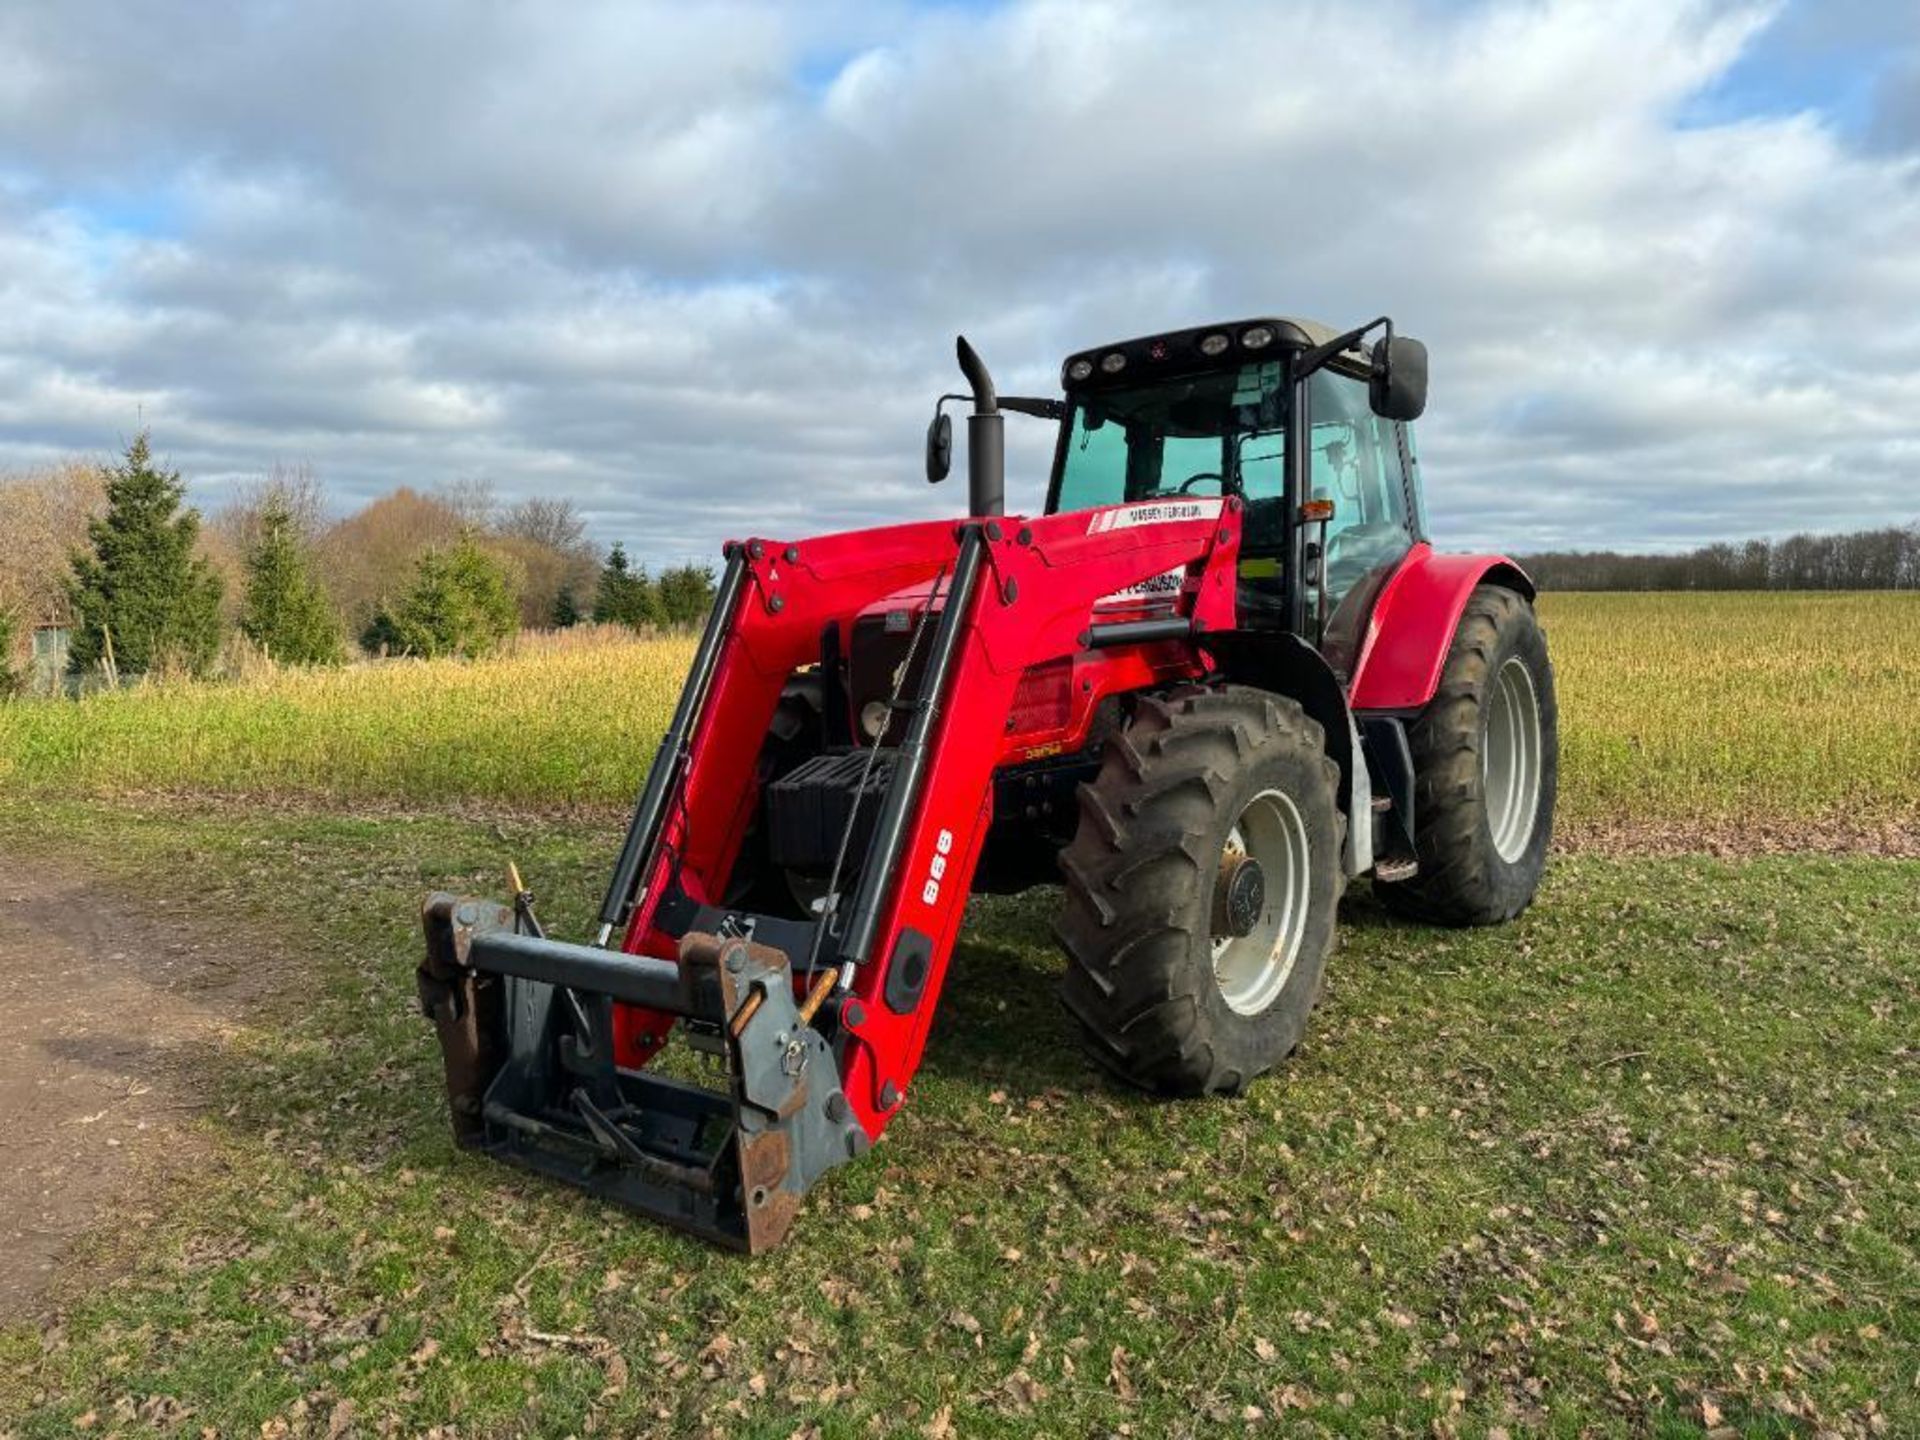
x: 1220, y: 433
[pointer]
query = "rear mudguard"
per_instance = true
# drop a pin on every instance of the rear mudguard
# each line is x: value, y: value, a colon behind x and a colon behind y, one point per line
x: 1413, y: 622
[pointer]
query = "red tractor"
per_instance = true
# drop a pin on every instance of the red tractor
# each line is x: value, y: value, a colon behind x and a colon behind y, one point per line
x: 1223, y: 674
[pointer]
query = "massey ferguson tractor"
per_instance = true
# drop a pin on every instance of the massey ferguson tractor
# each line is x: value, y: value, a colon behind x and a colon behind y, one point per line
x: 1222, y: 675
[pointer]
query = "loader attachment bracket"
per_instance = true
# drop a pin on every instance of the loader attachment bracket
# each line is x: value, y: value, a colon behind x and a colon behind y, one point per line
x: 526, y: 1086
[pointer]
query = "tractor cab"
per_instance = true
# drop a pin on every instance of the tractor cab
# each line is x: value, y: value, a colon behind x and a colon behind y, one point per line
x: 1211, y: 411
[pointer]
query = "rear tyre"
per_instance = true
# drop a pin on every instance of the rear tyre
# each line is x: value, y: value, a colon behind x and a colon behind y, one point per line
x: 1486, y: 761
x: 1203, y: 886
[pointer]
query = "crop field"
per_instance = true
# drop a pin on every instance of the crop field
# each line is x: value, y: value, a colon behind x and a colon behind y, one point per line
x: 1717, y: 709
x: 1644, y: 1162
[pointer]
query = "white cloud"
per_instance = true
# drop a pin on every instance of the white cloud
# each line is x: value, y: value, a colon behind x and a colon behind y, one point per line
x: 633, y: 254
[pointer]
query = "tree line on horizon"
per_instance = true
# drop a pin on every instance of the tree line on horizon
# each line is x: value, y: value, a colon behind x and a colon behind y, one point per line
x: 114, y: 556
x: 1884, y: 559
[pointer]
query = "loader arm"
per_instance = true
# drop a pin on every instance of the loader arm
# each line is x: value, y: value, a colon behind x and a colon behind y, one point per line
x: 1026, y: 625
x: 1028, y: 597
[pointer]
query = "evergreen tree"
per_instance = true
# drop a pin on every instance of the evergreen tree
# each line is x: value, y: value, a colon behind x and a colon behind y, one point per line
x: 566, y: 611
x: 462, y: 603
x: 381, y: 636
x: 686, y: 594
x: 625, y: 596
x: 287, y: 613
x: 140, y: 589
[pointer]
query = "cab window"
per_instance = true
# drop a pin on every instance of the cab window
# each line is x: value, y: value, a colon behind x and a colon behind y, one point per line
x: 1356, y: 464
x: 1216, y: 433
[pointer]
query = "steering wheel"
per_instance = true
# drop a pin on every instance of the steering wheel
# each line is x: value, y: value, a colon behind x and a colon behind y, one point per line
x: 1183, y: 487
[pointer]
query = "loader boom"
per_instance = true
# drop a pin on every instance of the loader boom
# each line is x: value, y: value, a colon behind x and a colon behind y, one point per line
x: 820, y: 1023
x: 1015, y: 598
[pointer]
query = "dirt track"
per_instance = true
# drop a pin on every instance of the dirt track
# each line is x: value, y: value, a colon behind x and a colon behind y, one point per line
x: 110, y: 1011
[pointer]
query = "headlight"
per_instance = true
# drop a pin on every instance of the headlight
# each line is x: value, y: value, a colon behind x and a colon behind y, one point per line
x: 1113, y: 362
x: 1214, y: 345
x: 1080, y: 369
x: 1258, y: 337
x: 873, y: 719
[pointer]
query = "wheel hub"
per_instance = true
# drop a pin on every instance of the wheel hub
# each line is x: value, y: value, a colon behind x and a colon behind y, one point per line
x: 1239, y: 895
x: 1261, y: 896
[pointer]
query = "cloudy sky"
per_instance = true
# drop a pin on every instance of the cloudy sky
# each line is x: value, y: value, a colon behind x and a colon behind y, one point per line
x: 699, y: 267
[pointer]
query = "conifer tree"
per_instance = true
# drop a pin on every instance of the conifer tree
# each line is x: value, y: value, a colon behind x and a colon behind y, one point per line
x: 685, y: 594
x: 287, y: 614
x: 566, y: 610
x: 139, y: 591
x: 625, y: 596
x: 462, y: 603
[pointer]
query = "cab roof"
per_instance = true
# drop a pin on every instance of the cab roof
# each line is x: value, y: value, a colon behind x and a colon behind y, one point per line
x: 1178, y: 351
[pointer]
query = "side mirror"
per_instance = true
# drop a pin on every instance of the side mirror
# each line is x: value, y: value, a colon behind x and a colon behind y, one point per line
x: 1398, y: 386
x: 939, y: 447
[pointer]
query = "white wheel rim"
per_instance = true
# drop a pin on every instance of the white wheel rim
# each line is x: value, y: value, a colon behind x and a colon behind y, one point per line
x: 1510, y: 760
x: 1252, y: 969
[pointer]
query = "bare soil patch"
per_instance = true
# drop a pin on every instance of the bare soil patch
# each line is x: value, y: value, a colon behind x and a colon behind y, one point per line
x: 1885, y: 837
x: 109, y: 1009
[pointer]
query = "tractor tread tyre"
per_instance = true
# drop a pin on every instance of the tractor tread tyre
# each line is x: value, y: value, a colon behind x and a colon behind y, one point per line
x: 1139, y: 877
x: 1462, y: 879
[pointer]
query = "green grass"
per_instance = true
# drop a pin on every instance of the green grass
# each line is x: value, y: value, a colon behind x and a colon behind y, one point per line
x: 1647, y: 1156
x: 1723, y: 709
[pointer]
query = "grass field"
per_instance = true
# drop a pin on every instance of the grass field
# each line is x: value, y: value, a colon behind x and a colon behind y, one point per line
x: 1675, y: 708
x: 1645, y: 1162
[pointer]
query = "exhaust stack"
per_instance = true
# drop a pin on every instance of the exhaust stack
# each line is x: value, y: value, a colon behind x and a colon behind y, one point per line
x: 986, y: 438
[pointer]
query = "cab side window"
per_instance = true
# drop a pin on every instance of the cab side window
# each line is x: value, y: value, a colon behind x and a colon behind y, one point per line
x: 1356, y: 464
x: 1096, y: 470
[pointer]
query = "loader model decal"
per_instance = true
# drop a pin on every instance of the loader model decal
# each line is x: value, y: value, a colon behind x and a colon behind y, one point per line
x: 1162, y: 589
x: 1153, y: 512
x: 937, y: 868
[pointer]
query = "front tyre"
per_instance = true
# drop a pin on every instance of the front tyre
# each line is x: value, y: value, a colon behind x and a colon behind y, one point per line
x: 1202, y: 890
x: 1486, y: 760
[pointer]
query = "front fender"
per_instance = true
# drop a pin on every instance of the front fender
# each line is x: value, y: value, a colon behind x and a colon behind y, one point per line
x: 1413, y: 622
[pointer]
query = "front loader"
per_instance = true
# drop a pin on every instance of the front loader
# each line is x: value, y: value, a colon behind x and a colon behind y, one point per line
x: 1222, y: 675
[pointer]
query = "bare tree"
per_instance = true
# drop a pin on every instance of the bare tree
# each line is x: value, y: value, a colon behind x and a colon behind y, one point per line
x: 294, y: 487
x: 46, y: 513
x: 548, y: 521
x: 368, y: 557
x: 1883, y: 559
x: 471, y: 498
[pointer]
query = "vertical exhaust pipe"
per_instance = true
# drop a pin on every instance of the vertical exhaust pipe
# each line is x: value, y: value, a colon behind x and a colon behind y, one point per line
x: 986, y: 438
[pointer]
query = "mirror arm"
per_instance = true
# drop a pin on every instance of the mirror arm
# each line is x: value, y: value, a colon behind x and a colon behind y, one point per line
x: 1039, y: 409
x: 1308, y: 361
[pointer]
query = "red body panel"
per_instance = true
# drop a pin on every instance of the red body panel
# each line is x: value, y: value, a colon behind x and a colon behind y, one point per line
x: 1043, y: 581
x: 1412, y: 625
